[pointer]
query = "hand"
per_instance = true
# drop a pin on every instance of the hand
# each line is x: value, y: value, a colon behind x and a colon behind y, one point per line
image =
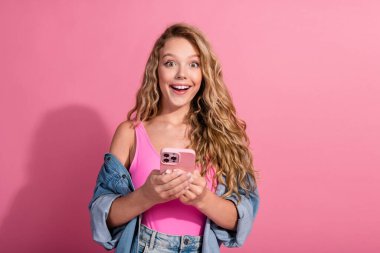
x: 160, y: 188
x: 196, y: 191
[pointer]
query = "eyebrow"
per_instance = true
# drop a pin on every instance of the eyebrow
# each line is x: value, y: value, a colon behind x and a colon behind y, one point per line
x: 169, y: 54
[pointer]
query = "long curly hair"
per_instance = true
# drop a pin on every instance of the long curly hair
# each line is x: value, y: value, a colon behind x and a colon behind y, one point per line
x: 217, y: 135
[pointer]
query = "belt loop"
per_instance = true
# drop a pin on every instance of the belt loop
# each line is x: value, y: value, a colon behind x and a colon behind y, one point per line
x: 152, y: 239
x: 181, y: 246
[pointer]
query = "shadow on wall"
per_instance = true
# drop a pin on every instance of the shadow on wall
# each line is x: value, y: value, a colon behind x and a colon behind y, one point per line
x: 50, y: 213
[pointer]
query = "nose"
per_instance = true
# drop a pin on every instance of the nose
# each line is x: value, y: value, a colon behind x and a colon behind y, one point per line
x: 181, y: 73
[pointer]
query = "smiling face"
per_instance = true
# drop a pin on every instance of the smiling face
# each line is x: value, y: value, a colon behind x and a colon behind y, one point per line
x: 179, y: 73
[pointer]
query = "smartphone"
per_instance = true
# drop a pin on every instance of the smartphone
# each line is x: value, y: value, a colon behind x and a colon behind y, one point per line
x: 181, y: 158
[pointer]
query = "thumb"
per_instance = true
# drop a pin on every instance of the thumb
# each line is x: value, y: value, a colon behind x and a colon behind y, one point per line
x: 155, y: 172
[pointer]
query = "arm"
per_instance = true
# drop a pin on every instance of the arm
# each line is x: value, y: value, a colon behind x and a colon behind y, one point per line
x: 213, y: 206
x: 126, y: 207
x: 247, y: 211
x: 106, y: 192
x: 221, y: 211
x: 123, y: 147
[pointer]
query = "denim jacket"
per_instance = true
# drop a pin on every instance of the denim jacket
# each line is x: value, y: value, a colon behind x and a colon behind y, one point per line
x: 114, y: 181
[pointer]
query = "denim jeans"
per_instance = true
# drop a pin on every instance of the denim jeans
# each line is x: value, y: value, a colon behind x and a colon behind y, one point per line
x: 151, y: 241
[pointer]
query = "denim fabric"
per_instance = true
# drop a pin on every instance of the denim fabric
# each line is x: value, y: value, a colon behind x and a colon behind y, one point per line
x: 155, y: 242
x: 114, y: 181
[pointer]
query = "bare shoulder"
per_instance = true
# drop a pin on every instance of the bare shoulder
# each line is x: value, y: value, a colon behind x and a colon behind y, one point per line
x: 122, y: 145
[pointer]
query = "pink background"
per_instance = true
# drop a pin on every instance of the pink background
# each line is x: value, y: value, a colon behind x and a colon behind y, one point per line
x: 303, y: 74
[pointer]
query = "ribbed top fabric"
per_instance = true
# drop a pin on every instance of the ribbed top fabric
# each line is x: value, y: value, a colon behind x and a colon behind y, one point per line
x: 173, y: 217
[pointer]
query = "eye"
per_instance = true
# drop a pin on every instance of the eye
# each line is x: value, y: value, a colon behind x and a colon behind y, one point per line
x: 169, y: 64
x: 194, y: 65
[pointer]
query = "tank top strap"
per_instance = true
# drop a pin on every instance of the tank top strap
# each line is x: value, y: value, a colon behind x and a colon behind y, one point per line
x: 139, y: 133
x: 144, y: 139
x: 144, y: 148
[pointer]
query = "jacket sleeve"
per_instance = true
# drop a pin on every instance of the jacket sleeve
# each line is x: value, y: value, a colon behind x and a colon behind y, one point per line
x: 99, y: 210
x: 247, y: 210
x: 107, y: 189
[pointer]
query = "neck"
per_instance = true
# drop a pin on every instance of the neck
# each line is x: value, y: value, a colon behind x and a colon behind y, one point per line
x: 174, y: 116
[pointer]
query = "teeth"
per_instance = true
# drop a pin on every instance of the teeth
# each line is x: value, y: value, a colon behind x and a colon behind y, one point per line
x: 180, y: 87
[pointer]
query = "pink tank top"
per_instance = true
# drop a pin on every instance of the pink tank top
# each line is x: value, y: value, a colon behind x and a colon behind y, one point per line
x: 173, y: 217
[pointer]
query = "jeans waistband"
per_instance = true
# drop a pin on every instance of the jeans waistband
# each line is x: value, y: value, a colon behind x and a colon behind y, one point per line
x: 154, y: 239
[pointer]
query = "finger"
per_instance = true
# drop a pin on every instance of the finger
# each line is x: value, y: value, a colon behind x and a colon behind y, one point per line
x: 195, y: 189
x: 184, y: 199
x: 198, y: 180
x: 154, y: 173
x: 181, y: 192
x: 167, y: 177
x: 180, y: 180
x: 168, y: 171
x: 178, y: 190
x: 154, y: 176
x: 189, y: 195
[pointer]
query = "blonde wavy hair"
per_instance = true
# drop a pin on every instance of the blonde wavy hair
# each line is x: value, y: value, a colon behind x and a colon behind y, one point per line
x: 217, y: 135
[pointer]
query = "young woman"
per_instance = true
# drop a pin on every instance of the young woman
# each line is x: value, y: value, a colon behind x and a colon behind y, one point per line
x: 182, y: 103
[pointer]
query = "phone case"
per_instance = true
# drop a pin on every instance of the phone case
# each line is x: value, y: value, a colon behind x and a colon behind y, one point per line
x: 171, y: 158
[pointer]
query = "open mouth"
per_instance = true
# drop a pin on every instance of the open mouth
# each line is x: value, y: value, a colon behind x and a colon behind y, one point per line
x: 180, y: 87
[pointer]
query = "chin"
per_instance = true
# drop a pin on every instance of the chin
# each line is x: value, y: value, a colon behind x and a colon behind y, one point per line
x: 180, y: 104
